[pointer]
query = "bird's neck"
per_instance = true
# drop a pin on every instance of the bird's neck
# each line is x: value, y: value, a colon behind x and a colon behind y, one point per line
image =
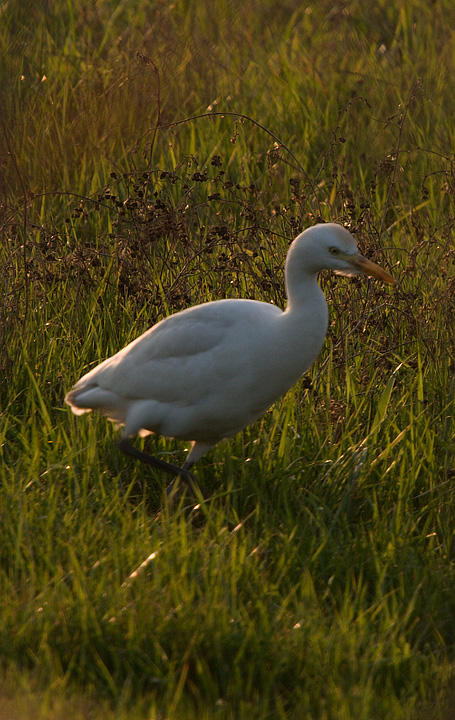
x: 303, y: 293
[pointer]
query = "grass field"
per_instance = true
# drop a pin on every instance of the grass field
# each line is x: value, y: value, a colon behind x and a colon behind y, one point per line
x: 155, y: 155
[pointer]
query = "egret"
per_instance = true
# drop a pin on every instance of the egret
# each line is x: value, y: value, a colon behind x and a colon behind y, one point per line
x: 205, y: 373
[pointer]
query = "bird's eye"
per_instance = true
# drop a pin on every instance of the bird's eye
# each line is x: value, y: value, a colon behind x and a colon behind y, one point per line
x: 334, y: 251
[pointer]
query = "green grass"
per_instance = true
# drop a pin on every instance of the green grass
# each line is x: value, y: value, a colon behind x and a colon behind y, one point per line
x: 318, y: 579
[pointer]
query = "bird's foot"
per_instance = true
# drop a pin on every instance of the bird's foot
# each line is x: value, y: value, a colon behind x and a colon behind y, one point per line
x: 183, y: 485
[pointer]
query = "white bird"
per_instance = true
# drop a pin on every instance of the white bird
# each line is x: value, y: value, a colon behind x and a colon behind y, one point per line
x: 208, y: 371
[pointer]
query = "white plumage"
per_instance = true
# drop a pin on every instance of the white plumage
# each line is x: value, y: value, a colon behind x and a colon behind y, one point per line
x: 206, y: 372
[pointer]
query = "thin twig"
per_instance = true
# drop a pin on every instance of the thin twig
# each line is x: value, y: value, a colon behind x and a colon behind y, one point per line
x: 24, y: 216
x: 242, y: 116
x: 148, y: 61
x: 397, y: 152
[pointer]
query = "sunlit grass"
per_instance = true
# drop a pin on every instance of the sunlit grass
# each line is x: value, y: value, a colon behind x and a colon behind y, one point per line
x: 317, y: 580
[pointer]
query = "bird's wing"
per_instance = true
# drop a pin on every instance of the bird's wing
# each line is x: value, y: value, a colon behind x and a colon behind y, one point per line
x: 180, y: 358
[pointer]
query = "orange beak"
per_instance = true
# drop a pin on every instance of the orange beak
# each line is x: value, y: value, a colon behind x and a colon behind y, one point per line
x: 367, y: 267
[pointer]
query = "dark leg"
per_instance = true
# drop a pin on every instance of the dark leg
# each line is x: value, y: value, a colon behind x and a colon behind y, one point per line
x: 125, y: 446
x: 174, y: 489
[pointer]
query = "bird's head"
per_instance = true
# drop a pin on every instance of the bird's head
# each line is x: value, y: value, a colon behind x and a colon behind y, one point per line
x: 328, y: 246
